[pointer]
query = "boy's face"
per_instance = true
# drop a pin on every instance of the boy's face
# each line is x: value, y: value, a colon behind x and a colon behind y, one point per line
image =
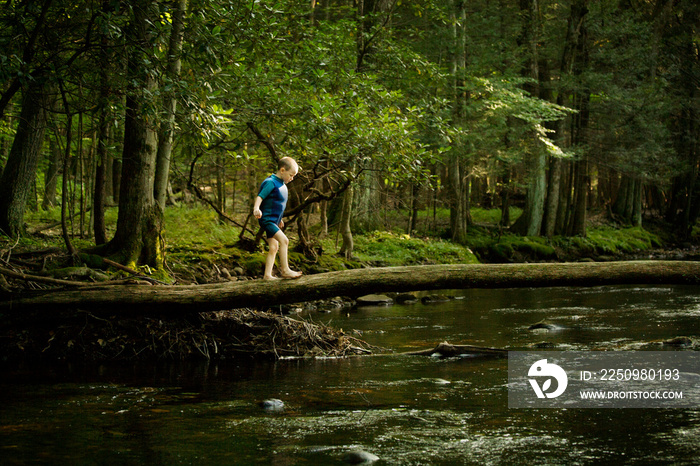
x: 288, y: 175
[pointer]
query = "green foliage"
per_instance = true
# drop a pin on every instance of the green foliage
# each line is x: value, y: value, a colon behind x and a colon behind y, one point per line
x: 625, y: 240
x: 509, y: 247
x: 626, y: 98
x: 492, y: 216
x: 197, y: 226
x: 294, y: 76
x: 608, y: 241
x: 601, y: 241
x: 296, y: 82
x: 494, y: 103
x: 386, y: 248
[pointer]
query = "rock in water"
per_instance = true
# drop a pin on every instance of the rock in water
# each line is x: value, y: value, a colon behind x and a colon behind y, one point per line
x: 406, y: 298
x: 272, y: 405
x: 678, y: 341
x: 543, y: 345
x: 374, y: 300
x: 434, y: 298
x: 359, y: 457
x: 543, y: 324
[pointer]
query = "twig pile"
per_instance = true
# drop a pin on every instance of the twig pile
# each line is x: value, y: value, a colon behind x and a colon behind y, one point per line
x: 212, y: 335
x: 279, y: 336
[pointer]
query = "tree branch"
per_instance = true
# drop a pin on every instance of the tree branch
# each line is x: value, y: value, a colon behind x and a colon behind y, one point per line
x: 266, y: 141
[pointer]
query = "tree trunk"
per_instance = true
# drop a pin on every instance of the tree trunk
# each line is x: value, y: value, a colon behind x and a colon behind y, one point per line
x: 571, y: 64
x: 581, y: 189
x: 165, y: 144
x: 64, y: 179
x: 504, y: 184
x: 220, y: 185
x: 530, y: 222
x: 564, y: 198
x: 98, y: 200
x: 116, y: 179
x: 628, y: 203
x: 20, y: 170
x: 30, y: 50
x: 344, y: 226
x: 105, y: 117
x: 323, y: 213
x: 414, y: 208
x: 686, y: 127
x: 637, y: 207
x: 176, y: 300
x: 138, y: 239
x: 456, y: 170
x: 552, y: 202
x: 366, y: 202
x: 458, y: 222
x: 553, y: 189
x: 51, y: 176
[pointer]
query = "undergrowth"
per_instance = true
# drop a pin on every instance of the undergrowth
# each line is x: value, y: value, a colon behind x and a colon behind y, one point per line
x: 201, y: 248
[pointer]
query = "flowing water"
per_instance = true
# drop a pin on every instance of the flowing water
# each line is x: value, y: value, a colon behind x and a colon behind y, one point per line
x: 404, y: 409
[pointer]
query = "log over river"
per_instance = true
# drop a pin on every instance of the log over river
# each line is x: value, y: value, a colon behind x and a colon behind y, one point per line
x: 181, y: 299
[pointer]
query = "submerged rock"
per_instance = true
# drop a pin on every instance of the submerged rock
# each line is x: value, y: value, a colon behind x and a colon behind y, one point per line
x: 374, y: 300
x: 406, y: 298
x: 543, y: 345
x: 678, y: 341
x: 542, y: 324
x: 272, y: 405
x: 359, y: 457
x: 434, y: 298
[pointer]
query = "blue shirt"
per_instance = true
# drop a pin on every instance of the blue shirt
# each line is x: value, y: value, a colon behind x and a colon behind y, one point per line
x: 274, y: 194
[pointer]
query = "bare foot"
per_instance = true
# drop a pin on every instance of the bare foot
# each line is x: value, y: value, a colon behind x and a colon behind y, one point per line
x: 269, y: 277
x: 291, y: 274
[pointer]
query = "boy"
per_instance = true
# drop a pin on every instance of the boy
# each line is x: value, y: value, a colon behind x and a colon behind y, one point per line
x: 268, y: 209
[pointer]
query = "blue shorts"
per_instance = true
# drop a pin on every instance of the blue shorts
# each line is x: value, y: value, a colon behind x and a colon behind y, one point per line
x: 269, y: 226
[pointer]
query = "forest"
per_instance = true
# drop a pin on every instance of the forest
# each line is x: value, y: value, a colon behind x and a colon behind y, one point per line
x: 479, y: 179
x: 556, y: 110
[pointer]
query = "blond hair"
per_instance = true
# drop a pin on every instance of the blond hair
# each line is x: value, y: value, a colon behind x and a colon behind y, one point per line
x: 287, y: 163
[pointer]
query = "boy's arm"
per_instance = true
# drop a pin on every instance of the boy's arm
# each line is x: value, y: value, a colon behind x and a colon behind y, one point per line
x: 257, y: 213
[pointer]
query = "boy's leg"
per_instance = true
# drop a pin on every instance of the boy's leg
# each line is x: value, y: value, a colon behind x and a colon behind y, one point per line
x: 273, y: 246
x: 283, y: 242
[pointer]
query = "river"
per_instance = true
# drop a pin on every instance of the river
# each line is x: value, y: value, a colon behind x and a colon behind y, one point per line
x: 404, y: 409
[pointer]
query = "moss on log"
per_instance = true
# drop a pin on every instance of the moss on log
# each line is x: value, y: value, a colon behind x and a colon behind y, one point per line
x: 198, y: 298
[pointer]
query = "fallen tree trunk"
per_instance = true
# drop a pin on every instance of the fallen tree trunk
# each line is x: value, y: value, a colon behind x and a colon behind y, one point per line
x: 198, y: 298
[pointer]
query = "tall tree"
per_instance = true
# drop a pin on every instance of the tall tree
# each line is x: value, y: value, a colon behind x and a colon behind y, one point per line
x: 139, y: 235
x: 530, y: 222
x: 684, y: 207
x: 456, y: 163
x: 20, y: 170
x: 27, y: 22
x: 103, y: 127
x: 167, y: 127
